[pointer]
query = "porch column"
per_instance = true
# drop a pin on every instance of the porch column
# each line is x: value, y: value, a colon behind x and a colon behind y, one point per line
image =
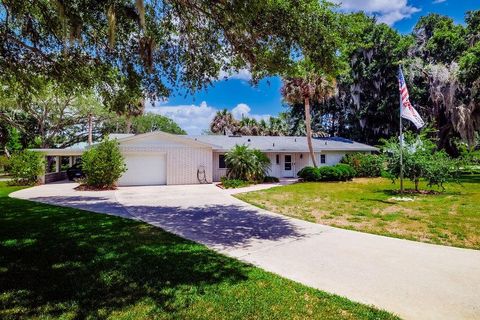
x: 57, y: 164
x: 70, y: 161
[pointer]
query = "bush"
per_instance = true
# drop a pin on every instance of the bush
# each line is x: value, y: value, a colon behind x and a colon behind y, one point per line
x: 26, y: 167
x: 103, y: 165
x: 345, y: 172
x: 309, y: 174
x: 233, y: 183
x: 246, y: 164
x: 4, y: 164
x: 338, y: 172
x: 365, y: 164
x: 270, y: 179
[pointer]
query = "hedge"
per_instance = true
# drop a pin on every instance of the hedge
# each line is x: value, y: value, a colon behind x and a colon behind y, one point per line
x: 338, y: 172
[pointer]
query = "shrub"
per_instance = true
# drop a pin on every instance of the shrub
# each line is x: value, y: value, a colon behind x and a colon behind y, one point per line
x: 345, y: 171
x: 270, y: 179
x: 4, y: 164
x: 233, y: 183
x: 309, y: 174
x: 246, y: 164
x: 338, y: 172
x: 26, y: 167
x: 365, y: 164
x: 103, y: 165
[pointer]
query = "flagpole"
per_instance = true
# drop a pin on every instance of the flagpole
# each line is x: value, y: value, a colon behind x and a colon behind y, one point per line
x: 401, y: 153
x: 401, y: 146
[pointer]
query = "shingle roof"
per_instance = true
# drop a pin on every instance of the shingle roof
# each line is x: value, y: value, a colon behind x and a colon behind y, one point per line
x: 277, y: 143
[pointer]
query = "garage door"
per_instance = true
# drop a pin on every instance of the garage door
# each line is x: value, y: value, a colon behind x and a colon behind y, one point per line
x: 144, y: 169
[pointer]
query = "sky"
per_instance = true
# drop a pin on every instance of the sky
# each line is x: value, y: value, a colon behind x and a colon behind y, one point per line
x: 194, y: 112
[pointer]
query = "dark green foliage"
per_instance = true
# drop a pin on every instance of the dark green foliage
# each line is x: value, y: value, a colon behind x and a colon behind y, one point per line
x: 246, y: 164
x: 233, y: 183
x: 345, y: 172
x: 180, y: 44
x: 26, y: 167
x: 309, y: 174
x: 103, y: 165
x: 155, y: 122
x: 338, y: 172
x: 365, y: 164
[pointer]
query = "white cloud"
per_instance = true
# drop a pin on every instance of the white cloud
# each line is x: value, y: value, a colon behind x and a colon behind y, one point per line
x: 243, y: 110
x: 386, y: 11
x: 191, y: 118
x: 196, y: 118
x: 439, y: 1
x: 242, y: 74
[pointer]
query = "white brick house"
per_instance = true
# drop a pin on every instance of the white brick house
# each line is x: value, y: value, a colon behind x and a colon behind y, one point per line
x: 161, y: 158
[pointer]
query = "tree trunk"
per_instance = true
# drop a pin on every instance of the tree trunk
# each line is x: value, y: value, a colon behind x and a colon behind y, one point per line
x: 417, y: 182
x: 308, y: 127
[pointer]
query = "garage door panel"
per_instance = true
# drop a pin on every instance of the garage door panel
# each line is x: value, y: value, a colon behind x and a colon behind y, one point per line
x: 144, y: 169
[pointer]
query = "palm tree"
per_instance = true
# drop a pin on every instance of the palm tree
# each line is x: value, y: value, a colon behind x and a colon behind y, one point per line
x: 224, y: 123
x: 307, y: 88
x: 249, y: 127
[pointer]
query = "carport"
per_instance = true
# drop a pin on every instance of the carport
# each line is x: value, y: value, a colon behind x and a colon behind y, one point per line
x: 57, y: 161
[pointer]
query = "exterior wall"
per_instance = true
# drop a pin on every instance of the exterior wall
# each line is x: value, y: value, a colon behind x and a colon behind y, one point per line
x: 299, y: 160
x: 332, y: 158
x: 183, y: 160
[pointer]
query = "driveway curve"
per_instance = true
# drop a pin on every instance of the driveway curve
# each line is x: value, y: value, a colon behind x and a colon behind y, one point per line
x: 412, y: 279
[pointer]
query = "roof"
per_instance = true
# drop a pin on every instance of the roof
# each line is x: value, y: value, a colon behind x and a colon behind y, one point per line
x: 282, y: 143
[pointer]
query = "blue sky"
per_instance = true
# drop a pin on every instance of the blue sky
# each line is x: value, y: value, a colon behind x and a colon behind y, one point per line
x: 194, y: 112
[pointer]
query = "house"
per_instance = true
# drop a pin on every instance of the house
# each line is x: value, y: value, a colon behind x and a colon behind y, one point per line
x: 158, y: 158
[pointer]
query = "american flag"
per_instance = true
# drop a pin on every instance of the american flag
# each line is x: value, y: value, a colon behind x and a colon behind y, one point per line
x: 407, y: 111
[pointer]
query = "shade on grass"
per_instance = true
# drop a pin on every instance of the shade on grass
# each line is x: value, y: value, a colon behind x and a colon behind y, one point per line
x: 370, y: 205
x: 65, y: 263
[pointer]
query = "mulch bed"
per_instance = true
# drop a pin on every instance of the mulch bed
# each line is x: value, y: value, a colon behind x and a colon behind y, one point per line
x: 84, y: 187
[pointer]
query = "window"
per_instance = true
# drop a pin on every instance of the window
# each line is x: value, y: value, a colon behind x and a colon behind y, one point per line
x: 323, y: 158
x: 221, y: 161
x: 277, y: 159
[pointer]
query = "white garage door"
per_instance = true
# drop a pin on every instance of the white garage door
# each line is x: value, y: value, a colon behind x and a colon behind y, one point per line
x: 144, y: 169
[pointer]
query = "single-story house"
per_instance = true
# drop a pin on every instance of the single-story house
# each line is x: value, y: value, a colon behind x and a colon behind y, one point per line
x: 158, y: 158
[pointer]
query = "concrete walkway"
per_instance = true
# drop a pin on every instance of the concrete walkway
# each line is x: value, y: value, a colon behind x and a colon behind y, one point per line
x: 412, y: 279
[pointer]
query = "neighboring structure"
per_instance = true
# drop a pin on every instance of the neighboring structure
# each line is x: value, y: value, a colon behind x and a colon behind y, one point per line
x: 157, y: 158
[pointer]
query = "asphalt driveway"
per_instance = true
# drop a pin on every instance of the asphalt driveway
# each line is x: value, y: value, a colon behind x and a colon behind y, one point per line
x: 412, y: 279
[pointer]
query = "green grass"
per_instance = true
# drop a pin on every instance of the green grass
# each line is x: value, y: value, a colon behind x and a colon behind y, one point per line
x: 62, y: 263
x: 368, y: 205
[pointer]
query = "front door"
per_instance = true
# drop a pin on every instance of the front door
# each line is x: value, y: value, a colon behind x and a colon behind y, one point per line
x: 288, y: 166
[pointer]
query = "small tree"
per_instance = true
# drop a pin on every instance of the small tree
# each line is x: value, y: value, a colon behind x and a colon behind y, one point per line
x: 103, y: 165
x: 421, y: 160
x: 26, y: 167
x: 246, y: 164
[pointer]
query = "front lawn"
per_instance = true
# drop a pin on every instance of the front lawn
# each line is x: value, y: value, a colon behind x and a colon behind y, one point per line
x: 71, y: 264
x: 369, y: 205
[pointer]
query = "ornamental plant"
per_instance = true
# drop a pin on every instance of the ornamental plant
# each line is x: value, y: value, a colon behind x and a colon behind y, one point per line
x: 246, y: 164
x: 103, y: 165
x: 26, y: 167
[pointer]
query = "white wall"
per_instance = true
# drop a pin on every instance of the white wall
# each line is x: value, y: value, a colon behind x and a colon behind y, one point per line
x: 183, y: 160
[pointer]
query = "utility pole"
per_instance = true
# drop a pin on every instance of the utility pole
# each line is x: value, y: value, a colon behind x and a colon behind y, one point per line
x: 90, y: 129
